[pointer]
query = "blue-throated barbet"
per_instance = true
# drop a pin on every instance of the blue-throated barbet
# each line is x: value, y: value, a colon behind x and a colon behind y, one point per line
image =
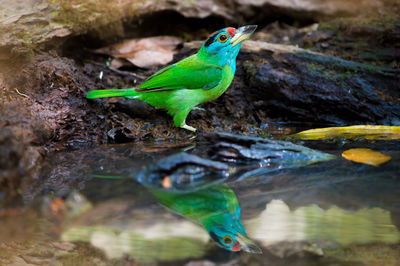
x: 197, y: 79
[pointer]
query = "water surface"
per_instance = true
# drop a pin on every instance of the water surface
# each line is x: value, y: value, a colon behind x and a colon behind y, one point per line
x: 89, y: 207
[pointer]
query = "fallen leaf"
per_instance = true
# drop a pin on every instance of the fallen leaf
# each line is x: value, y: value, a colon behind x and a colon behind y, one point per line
x: 57, y: 204
x: 144, y: 52
x: 366, y: 131
x: 118, y: 63
x: 147, y: 58
x: 366, y: 156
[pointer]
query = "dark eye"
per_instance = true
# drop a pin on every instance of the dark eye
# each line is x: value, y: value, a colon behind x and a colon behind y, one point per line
x: 222, y: 38
x: 227, y: 240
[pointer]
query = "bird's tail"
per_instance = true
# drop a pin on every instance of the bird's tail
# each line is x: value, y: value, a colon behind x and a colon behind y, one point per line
x: 129, y: 93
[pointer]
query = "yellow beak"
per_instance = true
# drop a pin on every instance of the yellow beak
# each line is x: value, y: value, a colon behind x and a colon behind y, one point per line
x: 242, y: 33
x: 247, y: 245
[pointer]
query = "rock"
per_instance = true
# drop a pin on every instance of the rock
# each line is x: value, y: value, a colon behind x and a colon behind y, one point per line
x: 64, y: 246
x: 307, y: 9
x: 286, y: 249
x: 238, y: 150
x: 197, y: 9
x: 200, y: 263
x: 185, y: 171
x: 27, y: 24
x: 223, y: 155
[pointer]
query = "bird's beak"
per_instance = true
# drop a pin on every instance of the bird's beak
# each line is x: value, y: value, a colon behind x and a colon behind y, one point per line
x: 246, y: 244
x: 242, y: 33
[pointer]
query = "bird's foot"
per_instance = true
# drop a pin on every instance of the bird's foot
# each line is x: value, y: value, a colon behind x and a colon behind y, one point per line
x: 199, y: 109
x: 188, y: 128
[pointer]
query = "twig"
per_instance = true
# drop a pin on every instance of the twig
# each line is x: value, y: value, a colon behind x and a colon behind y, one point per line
x: 124, y: 73
x: 22, y: 94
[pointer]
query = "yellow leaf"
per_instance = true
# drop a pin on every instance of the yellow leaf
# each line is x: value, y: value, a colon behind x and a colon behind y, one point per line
x: 366, y: 156
x: 372, y: 132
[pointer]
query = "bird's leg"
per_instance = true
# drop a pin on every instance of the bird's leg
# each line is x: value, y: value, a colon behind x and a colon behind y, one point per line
x: 180, y: 120
x: 199, y: 109
x: 188, y: 127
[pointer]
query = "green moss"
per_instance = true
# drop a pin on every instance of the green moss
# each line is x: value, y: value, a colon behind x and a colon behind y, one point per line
x: 83, y: 254
x: 383, y: 18
x: 366, y: 38
x: 314, y: 67
x: 251, y: 69
x: 384, y: 255
x: 383, y: 23
x: 135, y: 245
x: 82, y: 16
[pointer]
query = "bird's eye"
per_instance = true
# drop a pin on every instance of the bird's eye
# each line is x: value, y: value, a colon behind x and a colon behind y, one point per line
x: 223, y: 38
x: 227, y: 240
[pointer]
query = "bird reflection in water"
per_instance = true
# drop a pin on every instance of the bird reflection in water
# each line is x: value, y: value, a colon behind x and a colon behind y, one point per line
x: 217, y: 209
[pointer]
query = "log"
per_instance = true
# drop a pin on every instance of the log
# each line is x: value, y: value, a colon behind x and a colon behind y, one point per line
x: 291, y: 83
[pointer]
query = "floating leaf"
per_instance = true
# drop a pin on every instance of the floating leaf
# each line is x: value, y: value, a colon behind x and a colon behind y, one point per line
x: 365, y: 131
x: 366, y: 156
x: 143, y: 52
x: 166, y: 183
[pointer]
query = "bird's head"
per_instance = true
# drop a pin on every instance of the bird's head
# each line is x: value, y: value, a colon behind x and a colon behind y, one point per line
x: 227, y: 231
x: 225, y: 44
x: 233, y: 240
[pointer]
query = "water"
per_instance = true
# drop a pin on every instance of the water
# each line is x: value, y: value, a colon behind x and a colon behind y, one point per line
x: 88, y: 208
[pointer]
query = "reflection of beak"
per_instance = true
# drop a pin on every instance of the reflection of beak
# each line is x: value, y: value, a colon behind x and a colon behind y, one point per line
x: 247, y: 245
x: 243, y: 33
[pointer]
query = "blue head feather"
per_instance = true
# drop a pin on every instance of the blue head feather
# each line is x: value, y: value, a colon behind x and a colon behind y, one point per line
x: 218, y: 48
x: 224, y: 228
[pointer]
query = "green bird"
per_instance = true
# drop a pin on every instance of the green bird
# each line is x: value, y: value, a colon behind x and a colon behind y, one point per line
x: 217, y: 209
x: 197, y: 79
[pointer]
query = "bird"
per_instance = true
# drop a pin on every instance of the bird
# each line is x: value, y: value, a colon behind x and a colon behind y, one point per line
x: 217, y: 209
x: 199, y: 78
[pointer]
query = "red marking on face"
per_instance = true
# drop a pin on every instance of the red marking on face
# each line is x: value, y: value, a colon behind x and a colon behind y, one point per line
x: 236, y: 247
x: 231, y: 31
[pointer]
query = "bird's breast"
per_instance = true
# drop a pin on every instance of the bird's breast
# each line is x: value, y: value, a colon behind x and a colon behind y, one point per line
x: 223, y: 84
x: 226, y: 80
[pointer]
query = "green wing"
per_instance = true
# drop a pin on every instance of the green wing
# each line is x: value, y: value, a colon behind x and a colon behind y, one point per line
x: 190, y: 73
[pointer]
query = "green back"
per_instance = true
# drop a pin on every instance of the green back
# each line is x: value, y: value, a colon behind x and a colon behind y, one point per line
x: 200, y: 205
x: 190, y: 73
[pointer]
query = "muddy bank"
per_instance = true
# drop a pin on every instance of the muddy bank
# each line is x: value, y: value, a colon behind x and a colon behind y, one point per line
x: 46, y: 69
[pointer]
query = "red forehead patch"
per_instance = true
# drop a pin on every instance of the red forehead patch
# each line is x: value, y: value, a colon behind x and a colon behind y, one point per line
x: 231, y: 30
x: 236, y: 247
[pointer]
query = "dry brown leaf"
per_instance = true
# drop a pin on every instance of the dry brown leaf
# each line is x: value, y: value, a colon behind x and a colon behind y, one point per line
x: 57, y: 204
x: 150, y: 58
x: 366, y: 156
x: 145, y: 52
x: 119, y: 62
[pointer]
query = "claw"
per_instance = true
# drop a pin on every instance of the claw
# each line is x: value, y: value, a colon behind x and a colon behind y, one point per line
x: 199, y: 109
x: 188, y: 128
